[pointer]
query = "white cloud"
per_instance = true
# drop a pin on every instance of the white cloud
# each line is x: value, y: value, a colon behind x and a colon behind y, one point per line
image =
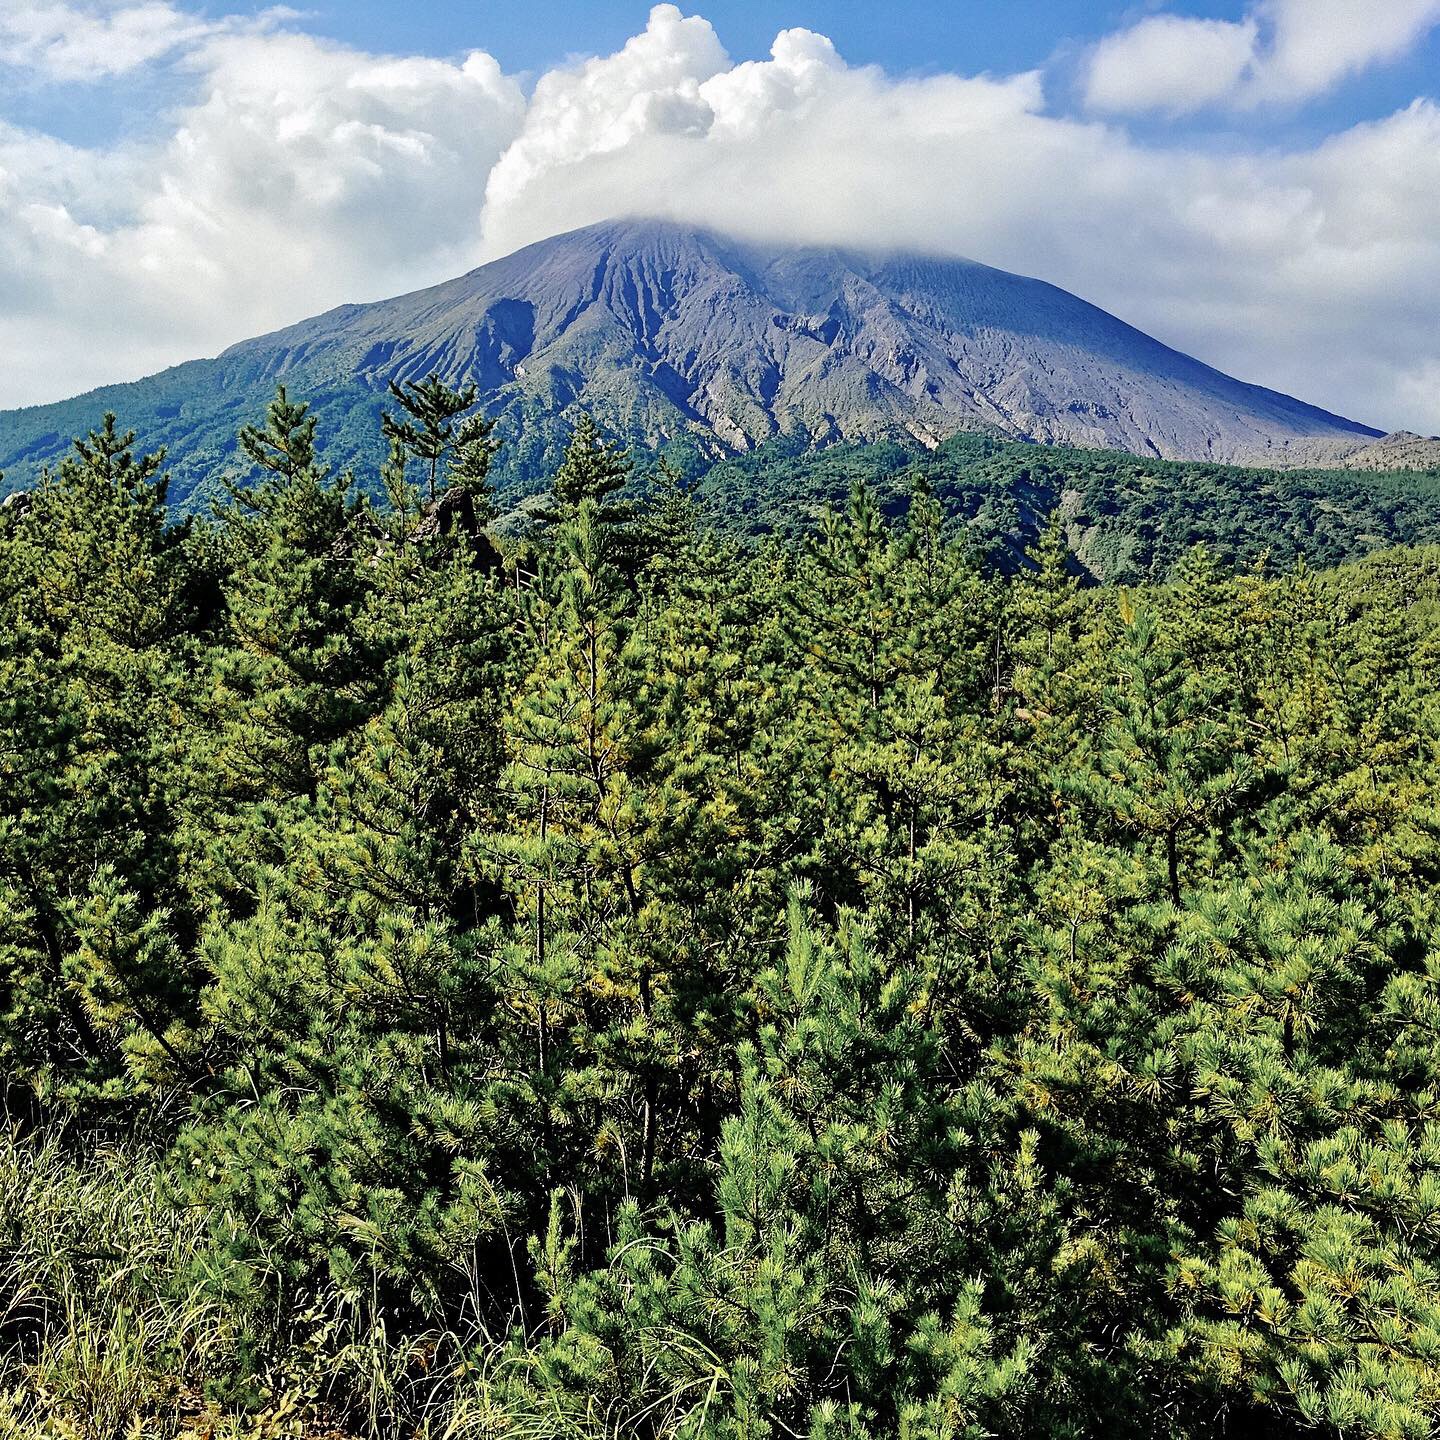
x: 651, y: 86
x: 1171, y: 64
x: 798, y: 146
x: 1319, y: 42
x: 1283, y: 51
x: 305, y: 174
x: 86, y: 42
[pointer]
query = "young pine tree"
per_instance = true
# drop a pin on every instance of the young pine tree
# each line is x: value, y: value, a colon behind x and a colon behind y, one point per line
x: 433, y: 433
x: 100, y: 737
x: 1169, y: 767
x: 606, y: 818
x: 593, y: 469
x: 296, y: 674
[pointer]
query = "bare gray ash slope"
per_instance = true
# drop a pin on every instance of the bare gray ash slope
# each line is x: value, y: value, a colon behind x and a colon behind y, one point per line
x: 674, y: 335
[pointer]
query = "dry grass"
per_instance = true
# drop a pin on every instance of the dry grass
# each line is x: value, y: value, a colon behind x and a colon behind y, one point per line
x: 108, y: 1331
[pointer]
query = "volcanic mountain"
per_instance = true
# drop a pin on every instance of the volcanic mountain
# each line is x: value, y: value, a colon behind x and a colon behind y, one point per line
x: 678, y: 337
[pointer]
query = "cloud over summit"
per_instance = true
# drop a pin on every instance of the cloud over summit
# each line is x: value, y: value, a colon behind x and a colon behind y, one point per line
x: 302, y: 173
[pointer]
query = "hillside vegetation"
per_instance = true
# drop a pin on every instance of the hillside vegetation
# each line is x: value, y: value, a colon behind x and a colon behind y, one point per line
x: 631, y: 982
x: 1128, y: 520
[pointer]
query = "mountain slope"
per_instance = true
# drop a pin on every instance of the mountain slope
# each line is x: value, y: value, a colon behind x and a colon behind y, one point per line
x: 713, y: 346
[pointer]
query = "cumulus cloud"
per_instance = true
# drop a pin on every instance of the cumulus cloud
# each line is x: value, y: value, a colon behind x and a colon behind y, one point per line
x: 799, y: 146
x: 1283, y: 51
x: 651, y: 86
x: 305, y: 174
x: 302, y: 175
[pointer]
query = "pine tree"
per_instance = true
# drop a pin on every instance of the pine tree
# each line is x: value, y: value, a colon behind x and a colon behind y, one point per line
x: 111, y: 567
x: 1046, y: 619
x: 792, y: 1312
x: 285, y: 446
x: 379, y: 1145
x: 432, y: 437
x: 1167, y: 768
x: 296, y: 676
x: 898, y: 639
x: 593, y: 469
x: 102, y: 605
x: 606, y: 817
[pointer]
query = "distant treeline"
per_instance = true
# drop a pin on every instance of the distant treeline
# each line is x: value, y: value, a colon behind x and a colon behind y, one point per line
x: 1128, y: 520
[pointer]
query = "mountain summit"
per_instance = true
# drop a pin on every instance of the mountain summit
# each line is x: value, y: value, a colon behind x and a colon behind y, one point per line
x: 676, y: 336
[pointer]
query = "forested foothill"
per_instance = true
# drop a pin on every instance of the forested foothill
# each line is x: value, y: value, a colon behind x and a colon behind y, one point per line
x: 1128, y: 519
x: 628, y: 974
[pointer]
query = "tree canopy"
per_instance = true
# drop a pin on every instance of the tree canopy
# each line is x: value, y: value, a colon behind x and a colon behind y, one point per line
x: 625, y: 981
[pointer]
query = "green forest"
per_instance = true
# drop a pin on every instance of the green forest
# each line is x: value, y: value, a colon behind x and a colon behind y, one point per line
x: 1128, y: 519
x: 635, y: 978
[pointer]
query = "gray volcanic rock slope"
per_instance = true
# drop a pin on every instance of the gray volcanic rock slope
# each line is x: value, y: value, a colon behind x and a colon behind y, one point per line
x: 669, y: 334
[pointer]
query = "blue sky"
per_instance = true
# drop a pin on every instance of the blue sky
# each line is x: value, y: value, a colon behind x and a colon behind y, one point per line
x: 1254, y: 181
x: 961, y: 35
x: 904, y: 36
